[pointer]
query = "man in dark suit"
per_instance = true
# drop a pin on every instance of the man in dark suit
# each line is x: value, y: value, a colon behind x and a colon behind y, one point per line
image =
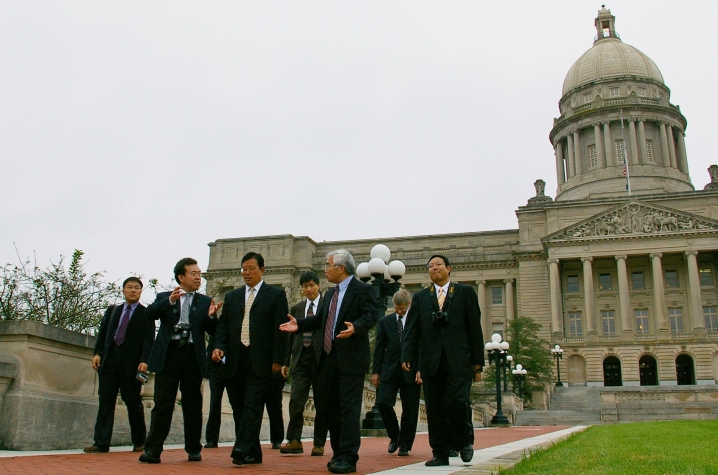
x: 303, y: 354
x: 217, y: 385
x: 248, y: 334
x: 389, y: 379
x: 122, y: 349
x: 347, y: 315
x: 444, y: 325
x: 179, y: 359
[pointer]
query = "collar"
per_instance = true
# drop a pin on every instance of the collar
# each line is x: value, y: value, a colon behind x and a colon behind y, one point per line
x: 345, y: 283
x: 256, y: 288
x: 315, y: 302
x: 445, y: 287
x: 132, y: 306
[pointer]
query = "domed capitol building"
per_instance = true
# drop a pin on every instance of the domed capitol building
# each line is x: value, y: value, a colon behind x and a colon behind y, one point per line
x: 623, y: 279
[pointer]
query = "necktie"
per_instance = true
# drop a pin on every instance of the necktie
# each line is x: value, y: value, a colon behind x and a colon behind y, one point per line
x: 307, y: 336
x: 245, y: 320
x: 441, y: 297
x: 122, y: 329
x: 184, y: 311
x: 329, y: 329
x: 400, y: 327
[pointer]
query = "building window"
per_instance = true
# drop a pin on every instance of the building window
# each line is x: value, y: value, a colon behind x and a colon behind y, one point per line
x: 586, y: 98
x: 593, y: 156
x: 649, y: 150
x: 672, y: 279
x: 711, y: 318
x: 608, y: 319
x: 641, y: 91
x: 641, y: 321
x: 675, y: 318
x: 621, y: 150
x: 605, y: 282
x: 498, y: 328
x: 497, y: 296
x: 705, y: 275
x: 638, y: 280
x: 572, y: 283
x: 575, y: 324
x: 614, y: 92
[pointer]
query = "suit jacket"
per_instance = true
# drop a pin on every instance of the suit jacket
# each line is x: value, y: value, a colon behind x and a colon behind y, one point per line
x: 139, y: 336
x: 295, y: 342
x: 169, y: 315
x: 267, y: 343
x: 461, y: 338
x: 387, y: 351
x: 359, y: 308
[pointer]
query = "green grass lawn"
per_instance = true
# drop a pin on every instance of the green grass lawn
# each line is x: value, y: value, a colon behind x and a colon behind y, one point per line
x: 681, y: 447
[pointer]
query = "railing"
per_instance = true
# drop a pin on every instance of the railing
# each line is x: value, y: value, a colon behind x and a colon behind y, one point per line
x: 613, y: 102
x: 681, y: 336
x: 583, y: 107
x: 712, y: 334
x: 612, y: 338
x: 648, y: 100
x: 574, y: 339
x: 645, y: 337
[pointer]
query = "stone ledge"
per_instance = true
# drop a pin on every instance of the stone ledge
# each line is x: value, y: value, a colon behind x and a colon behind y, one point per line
x: 25, y: 327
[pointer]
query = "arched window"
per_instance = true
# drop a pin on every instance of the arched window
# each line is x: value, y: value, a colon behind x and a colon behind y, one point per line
x: 647, y: 368
x: 612, y: 372
x: 685, y: 373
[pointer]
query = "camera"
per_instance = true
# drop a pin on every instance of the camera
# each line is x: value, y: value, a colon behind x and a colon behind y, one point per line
x: 182, y: 329
x: 440, y: 318
x: 142, y: 377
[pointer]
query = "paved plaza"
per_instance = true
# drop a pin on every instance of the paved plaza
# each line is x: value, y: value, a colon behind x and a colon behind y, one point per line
x: 494, y: 447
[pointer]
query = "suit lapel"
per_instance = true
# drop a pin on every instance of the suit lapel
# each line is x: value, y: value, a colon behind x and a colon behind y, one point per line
x: 138, y: 311
x: 260, y: 293
x: 346, y: 300
x: 115, y: 318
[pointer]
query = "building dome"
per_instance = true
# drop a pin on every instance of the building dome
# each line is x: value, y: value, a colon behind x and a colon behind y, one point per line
x: 610, y: 58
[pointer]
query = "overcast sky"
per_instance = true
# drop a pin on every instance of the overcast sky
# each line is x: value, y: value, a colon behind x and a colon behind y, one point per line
x: 141, y: 131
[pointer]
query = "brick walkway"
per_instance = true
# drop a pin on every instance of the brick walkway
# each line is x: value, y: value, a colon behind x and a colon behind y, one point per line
x: 373, y: 458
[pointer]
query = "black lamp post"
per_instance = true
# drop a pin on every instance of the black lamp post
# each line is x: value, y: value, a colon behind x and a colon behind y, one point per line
x: 497, y: 351
x: 558, y: 354
x: 380, y: 274
x: 519, y: 377
x: 507, y: 366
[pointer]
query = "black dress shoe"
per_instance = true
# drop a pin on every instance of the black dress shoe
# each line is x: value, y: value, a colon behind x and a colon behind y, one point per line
x: 237, y: 457
x: 467, y: 453
x: 149, y: 457
x: 403, y: 452
x: 340, y: 466
x: 453, y: 453
x: 195, y: 457
x: 331, y: 462
x: 276, y: 445
x: 437, y: 462
x: 393, y: 446
x: 249, y: 459
x: 211, y: 445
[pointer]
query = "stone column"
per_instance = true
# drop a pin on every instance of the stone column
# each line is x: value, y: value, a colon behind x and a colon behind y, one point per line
x: 632, y: 143
x: 624, y: 298
x: 485, y: 320
x: 509, y: 300
x: 681, y: 151
x: 600, y: 155
x: 671, y: 146
x: 571, y: 159
x: 694, y: 293
x: 659, y: 297
x: 642, y: 142
x: 588, y: 295
x: 560, y: 173
x: 577, y: 152
x: 664, y: 145
x: 608, y: 145
x: 555, y: 288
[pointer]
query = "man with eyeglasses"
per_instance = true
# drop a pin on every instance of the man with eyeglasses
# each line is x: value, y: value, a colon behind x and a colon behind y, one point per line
x: 179, y: 359
x: 443, y: 327
x: 248, y: 335
x: 348, y: 313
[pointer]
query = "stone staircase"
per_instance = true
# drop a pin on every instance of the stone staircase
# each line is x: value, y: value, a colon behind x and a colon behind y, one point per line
x: 569, y: 406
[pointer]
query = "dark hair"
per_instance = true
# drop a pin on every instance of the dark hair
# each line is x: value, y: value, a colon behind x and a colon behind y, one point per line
x: 443, y: 258
x: 253, y: 255
x: 308, y: 276
x: 181, y: 266
x: 132, y: 279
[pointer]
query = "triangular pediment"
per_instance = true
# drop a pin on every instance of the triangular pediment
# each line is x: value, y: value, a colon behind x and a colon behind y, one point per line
x: 634, y: 219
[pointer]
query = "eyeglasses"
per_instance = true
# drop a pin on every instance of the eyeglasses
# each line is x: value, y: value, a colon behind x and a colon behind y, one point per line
x: 328, y: 265
x: 250, y: 269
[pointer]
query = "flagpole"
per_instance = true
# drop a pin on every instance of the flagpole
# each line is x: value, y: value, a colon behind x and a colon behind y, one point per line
x: 625, y: 158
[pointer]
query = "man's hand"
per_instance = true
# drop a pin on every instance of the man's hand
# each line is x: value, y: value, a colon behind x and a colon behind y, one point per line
x: 96, y: 362
x: 477, y: 373
x: 406, y: 366
x: 291, y: 326
x: 418, y: 378
x: 142, y: 368
x: 176, y: 294
x: 214, y: 308
x: 375, y: 380
x: 285, y: 371
x: 217, y: 355
x: 276, y: 368
x: 348, y: 332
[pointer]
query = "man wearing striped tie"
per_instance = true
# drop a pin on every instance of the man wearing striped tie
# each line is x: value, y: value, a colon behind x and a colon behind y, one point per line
x: 444, y: 327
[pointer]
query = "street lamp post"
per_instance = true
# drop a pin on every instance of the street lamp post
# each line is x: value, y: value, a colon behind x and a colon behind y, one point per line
x: 507, y: 366
x: 519, y: 377
x: 558, y: 354
x: 497, y: 351
x: 384, y: 277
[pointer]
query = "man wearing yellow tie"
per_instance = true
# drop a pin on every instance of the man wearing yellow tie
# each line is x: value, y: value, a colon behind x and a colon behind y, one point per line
x: 248, y: 334
x: 444, y: 327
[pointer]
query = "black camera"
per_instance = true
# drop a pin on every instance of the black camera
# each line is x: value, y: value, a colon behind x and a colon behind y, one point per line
x: 440, y: 318
x: 182, y: 330
x: 142, y: 377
